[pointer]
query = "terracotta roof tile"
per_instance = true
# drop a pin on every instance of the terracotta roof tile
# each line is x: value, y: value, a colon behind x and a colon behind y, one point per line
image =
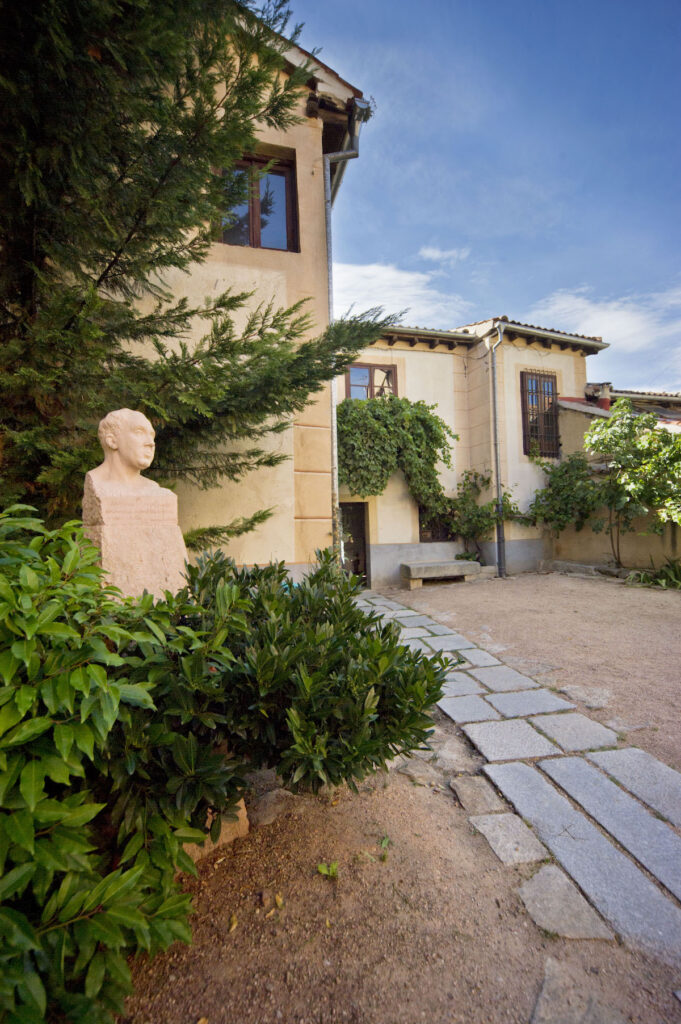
x: 534, y: 327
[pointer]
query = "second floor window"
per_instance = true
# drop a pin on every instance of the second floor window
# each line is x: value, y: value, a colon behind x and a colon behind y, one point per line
x: 267, y: 219
x: 364, y: 380
x: 539, y: 397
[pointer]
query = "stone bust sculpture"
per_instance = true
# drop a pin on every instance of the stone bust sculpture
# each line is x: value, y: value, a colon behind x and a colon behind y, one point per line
x: 131, y: 519
x: 128, y: 441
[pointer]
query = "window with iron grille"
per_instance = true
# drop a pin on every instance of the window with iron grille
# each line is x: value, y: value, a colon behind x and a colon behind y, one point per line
x: 539, y: 396
x: 365, y: 380
x: 430, y: 530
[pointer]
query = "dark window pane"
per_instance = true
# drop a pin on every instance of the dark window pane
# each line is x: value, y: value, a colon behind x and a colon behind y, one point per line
x: 236, y: 225
x: 540, y: 414
x: 273, y: 233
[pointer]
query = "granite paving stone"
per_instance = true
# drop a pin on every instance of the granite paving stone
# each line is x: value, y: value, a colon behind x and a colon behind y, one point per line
x: 649, y: 840
x: 567, y: 998
x: 480, y: 658
x: 421, y: 773
x: 455, y: 755
x: 450, y: 642
x: 417, y: 645
x: 621, y: 725
x: 625, y: 897
x: 460, y: 684
x: 467, y: 709
x: 647, y: 778
x: 509, y: 741
x: 476, y: 795
x: 411, y: 632
x: 415, y: 620
x: 575, y: 732
x: 406, y: 613
x: 439, y: 630
x: 527, y: 702
x: 501, y: 678
x: 591, y: 696
x: 509, y: 837
x: 557, y: 906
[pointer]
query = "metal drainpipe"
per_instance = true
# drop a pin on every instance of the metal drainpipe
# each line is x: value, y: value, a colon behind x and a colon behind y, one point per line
x: 501, y: 541
x: 332, y: 158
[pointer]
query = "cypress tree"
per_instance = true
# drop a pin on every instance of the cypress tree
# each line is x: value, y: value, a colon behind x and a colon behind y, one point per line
x: 115, y: 116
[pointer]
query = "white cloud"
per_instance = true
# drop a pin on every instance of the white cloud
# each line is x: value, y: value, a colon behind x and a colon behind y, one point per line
x: 363, y: 286
x: 644, y: 332
x: 630, y: 322
x: 449, y: 257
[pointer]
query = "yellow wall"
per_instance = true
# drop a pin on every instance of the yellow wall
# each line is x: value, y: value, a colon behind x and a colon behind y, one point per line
x: 300, y: 488
x: 437, y: 378
x: 637, y: 549
x: 573, y: 425
x: 459, y: 384
x: 517, y: 471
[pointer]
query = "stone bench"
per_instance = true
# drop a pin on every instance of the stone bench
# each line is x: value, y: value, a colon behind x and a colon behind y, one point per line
x: 414, y: 573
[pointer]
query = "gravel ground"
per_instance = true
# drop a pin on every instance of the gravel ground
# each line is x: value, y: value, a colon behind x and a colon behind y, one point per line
x: 423, y: 922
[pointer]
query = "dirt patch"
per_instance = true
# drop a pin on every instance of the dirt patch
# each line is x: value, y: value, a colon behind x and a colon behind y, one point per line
x: 422, y: 924
x: 594, y: 633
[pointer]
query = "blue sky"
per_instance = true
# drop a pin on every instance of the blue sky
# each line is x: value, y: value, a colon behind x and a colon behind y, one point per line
x: 524, y: 159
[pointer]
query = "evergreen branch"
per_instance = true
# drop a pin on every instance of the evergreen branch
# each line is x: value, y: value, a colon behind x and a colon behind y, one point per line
x: 205, y: 537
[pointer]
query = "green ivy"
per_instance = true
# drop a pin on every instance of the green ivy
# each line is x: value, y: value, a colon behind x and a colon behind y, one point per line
x: 380, y: 436
x: 569, y: 497
x: 469, y: 518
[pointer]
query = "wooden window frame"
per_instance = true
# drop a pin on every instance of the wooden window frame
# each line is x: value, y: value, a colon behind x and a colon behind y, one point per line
x: 287, y: 169
x: 541, y: 435
x: 371, y: 367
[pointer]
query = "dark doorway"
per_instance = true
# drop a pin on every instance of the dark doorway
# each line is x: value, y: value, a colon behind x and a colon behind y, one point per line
x: 353, y: 524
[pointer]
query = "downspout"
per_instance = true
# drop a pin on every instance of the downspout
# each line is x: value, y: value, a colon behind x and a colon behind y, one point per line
x: 359, y: 111
x: 501, y: 540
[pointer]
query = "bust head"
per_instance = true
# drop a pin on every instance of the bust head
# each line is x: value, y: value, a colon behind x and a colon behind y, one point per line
x: 127, y: 438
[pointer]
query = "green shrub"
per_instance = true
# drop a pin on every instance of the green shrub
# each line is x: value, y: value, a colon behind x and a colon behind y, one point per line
x: 570, y: 496
x: 668, y: 576
x: 317, y: 688
x: 77, y: 894
x: 114, y: 718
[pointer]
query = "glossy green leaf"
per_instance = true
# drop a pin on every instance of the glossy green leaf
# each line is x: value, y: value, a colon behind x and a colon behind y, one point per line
x: 22, y: 829
x: 26, y: 732
x: 33, y: 991
x: 31, y: 783
x: 95, y: 975
x: 16, y: 879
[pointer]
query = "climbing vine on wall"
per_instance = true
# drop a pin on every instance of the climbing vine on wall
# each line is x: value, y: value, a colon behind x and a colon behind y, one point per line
x: 379, y: 436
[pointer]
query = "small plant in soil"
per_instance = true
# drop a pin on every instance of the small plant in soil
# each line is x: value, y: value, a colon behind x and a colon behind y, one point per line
x: 384, y: 844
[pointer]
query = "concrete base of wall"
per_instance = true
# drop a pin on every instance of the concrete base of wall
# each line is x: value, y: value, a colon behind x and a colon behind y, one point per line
x: 521, y: 555
x: 384, y: 560
x: 299, y: 570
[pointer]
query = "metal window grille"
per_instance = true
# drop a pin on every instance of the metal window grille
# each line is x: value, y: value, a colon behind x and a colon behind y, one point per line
x: 540, y: 414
